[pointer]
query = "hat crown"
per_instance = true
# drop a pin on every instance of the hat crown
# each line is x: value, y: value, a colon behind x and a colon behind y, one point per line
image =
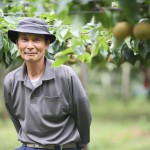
x: 32, y: 21
x: 33, y: 25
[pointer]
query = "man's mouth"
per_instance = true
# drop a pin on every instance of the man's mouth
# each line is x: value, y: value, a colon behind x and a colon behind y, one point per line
x: 30, y: 53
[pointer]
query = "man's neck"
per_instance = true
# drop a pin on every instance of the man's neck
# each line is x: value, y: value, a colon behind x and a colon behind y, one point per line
x: 35, y: 69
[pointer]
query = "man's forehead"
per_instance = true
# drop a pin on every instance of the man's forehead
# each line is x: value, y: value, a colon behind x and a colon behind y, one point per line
x: 30, y: 34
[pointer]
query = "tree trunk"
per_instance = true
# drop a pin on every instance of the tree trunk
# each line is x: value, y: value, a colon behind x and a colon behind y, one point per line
x: 84, y: 75
x: 85, y: 148
x: 126, y: 69
x: 148, y: 82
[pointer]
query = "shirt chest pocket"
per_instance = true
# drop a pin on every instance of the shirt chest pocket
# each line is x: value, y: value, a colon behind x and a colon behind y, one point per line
x: 54, y: 106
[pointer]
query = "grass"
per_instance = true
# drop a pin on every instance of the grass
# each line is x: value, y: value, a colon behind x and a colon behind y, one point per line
x: 114, y: 135
x: 115, y: 126
x: 120, y: 126
x: 8, y: 136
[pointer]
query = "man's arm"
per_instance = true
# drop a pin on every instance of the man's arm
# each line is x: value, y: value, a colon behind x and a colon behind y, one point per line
x: 81, y: 110
x: 7, y: 98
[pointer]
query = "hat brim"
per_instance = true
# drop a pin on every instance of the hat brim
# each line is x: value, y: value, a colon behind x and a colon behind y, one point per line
x: 13, y: 35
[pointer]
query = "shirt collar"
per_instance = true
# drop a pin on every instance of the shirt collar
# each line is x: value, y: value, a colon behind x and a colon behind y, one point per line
x: 49, y: 72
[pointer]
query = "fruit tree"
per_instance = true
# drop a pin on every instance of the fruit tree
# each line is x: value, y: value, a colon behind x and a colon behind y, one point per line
x: 91, y: 31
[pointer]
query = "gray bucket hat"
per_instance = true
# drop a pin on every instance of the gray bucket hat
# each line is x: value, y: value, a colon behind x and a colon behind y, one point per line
x: 31, y: 25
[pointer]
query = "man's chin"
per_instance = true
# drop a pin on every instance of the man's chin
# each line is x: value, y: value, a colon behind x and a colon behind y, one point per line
x: 30, y: 60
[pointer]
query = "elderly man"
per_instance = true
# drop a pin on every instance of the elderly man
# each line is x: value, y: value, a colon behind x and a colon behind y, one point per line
x: 48, y: 106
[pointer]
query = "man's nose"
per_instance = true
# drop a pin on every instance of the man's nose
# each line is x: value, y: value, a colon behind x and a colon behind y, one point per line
x: 30, y: 45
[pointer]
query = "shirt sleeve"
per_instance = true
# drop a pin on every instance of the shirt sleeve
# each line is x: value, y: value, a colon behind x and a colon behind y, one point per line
x: 81, y: 110
x: 7, y: 98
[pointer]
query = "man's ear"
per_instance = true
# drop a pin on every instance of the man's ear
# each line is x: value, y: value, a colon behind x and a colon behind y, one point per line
x: 47, y: 44
x: 47, y: 47
x: 17, y: 45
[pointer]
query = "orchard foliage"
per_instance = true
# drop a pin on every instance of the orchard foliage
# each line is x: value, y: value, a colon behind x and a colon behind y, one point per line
x: 97, y: 32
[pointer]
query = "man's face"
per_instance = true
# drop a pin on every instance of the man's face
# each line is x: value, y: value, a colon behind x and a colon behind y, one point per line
x: 32, y: 47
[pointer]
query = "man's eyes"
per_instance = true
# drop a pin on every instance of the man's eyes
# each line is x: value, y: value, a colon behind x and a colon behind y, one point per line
x: 35, y: 40
x: 23, y: 39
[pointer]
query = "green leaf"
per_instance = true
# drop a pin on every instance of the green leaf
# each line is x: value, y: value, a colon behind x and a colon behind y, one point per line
x: 103, y: 43
x: 85, y: 57
x: 95, y: 48
x: 5, y: 44
x: 79, y: 50
x: 1, y: 19
x: 62, y: 53
x: 3, y: 25
x: 14, y: 49
x: 129, y: 56
x: 106, y: 18
x: 116, y: 43
x: 60, y: 61
x: 56, y: 46
x: 135, y: 46
x: 31, y: 11
x: 81, y: 58
x: 64, y: 32
x: 76, y: 24
x: 48, y: 16
x: 61, y: 5
x: 94, y: 34
x: 130, y: 9
x: 1, y: 40
x: 1, y: 13
x: 128, y: 42
x: 39, y: 7
x: 57, y: 23
x: 11, y: 20
x: 1, y: 57
x: 77, y: 41
x: 7, y: 58
x: 84, y: 1
x: 144, y: 49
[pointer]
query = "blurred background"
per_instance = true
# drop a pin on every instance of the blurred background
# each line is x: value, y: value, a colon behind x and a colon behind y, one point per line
x: 107, y: 43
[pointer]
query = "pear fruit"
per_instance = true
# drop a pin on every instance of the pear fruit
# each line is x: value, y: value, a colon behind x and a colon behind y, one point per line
x: 88, y: 48
x: 142, y: 31
x: 122, y: 30
x: 72, y: 58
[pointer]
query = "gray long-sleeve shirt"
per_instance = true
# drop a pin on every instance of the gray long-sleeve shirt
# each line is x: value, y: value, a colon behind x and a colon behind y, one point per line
x: 56, y: 111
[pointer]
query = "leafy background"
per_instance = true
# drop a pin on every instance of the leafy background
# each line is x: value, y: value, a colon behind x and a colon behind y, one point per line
x: 84, y: 23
